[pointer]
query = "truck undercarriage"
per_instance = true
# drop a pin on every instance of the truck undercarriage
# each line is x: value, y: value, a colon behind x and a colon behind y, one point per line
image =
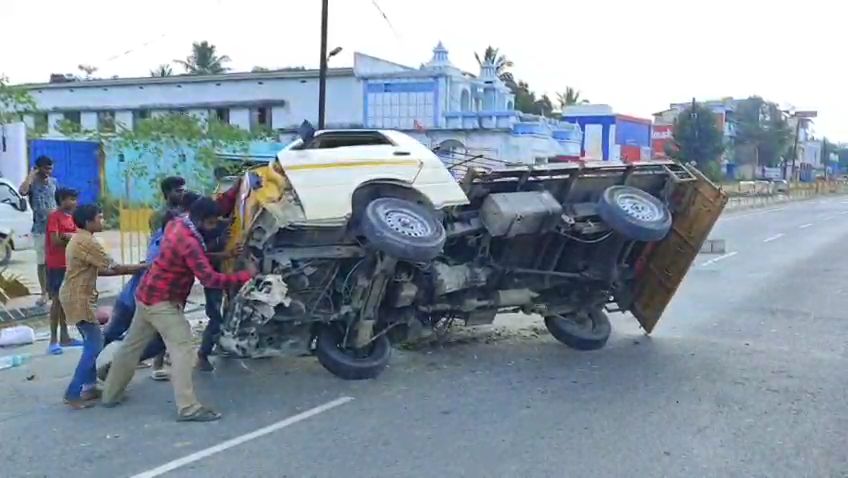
x: 566, y: 242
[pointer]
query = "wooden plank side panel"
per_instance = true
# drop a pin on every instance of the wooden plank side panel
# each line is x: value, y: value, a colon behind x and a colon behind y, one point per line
x: 699, y: 204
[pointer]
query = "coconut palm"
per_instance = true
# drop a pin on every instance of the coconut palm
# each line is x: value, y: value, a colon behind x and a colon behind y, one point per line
x: 162, y: 71
x: 570, y: 97
x: 204, y: 60
x: 501, y: 62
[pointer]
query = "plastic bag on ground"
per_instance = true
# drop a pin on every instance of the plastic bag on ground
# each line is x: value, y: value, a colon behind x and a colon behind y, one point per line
x: 17, y: 335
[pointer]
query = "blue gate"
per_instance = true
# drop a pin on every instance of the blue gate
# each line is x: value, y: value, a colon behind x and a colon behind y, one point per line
x: 76, y: 165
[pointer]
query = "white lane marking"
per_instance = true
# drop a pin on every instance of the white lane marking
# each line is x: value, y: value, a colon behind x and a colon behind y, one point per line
x: 199, y: 455
x: 804, y: 226
x: 843, y: 213
x: 774, y: 237
x: 757, y: 213
x: 720, y: 258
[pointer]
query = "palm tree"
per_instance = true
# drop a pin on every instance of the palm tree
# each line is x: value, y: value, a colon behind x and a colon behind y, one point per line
x: 570, y: 97
x: 204, y: 60
x: 501, y: 62
x: 162, y: 71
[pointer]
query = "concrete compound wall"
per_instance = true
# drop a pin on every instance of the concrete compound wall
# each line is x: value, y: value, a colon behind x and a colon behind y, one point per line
x: 751, y: 202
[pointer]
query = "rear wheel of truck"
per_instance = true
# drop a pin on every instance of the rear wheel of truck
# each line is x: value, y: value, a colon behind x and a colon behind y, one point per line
x: 587, y: 330
x: 349, y: 363
x: 402, y: 229
x: 634, y: 214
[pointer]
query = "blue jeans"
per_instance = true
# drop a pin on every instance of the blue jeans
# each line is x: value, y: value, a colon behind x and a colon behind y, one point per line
x: 118, y: 325
x: 86, y: 371
x: 214, y: 299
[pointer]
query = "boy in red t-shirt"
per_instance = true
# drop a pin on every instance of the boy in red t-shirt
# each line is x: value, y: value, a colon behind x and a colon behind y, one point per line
x: 60, y: 227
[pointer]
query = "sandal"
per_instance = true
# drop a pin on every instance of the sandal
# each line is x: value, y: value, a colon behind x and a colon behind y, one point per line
x: 202, y: 414
x: 54, y: 349
x: 79, y: 403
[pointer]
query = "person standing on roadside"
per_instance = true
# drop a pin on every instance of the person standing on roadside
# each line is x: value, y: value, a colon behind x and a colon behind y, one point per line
x: 86, y: 259
x: 160, y: 304
x: 60, y: 229
x: 40, y: 187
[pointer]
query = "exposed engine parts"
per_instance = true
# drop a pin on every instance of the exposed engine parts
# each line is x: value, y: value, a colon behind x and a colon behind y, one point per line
x: 398, y: 269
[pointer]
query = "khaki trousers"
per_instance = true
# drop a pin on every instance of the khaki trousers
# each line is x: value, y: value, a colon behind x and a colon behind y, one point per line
x: 167, y: 319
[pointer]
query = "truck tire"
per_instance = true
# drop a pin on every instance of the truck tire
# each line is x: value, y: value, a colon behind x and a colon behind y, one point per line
x: 402, y: 229
x: 5, y: 250
x: 634, y: 214
x: 347, y: 363
x: 581, y: 331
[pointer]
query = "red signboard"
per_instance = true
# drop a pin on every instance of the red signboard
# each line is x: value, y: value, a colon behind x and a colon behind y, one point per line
x: 660, y: 136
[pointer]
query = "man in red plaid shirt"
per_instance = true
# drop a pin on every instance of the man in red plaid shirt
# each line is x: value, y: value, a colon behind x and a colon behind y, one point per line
x: 161, y: 298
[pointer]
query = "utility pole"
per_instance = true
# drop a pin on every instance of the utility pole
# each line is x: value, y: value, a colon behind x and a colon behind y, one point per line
x: 795, y: 146
x: 322, y: 74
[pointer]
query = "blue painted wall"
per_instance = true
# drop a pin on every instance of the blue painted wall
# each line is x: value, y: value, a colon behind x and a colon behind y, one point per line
x: 143, y: 189
x: 632, y: 133
x: 75, y: 165
x: 606, y: 121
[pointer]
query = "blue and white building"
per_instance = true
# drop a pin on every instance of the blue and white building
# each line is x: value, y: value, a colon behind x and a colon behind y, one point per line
x: 437, y: 103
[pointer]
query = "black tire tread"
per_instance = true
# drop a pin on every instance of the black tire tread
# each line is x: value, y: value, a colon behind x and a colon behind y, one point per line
x: 346, y: 367
x: 628, y: 226
x: 383, y: 238
x: 558, y: 328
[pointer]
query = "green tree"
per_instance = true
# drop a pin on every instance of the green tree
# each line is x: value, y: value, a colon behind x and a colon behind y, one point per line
x: 88, y: 71
x: 501, y: 62
x: 696, y: 138
x: 204, y: 60
x: 570, y: 97
x: 762, y: 126
x: 14, y: 102
x: 162, y: 71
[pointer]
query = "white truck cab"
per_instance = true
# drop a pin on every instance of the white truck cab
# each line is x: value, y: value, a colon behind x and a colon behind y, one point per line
x: 15, y: 222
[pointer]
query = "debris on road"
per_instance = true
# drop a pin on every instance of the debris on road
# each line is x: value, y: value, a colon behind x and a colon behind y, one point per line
x: 17, y: 335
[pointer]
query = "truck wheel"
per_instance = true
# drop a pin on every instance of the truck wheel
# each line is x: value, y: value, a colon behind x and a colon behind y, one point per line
x: 581, y: 331
x: 347, y: 363
x: 403, y: 229
x: 5, y: 250
x: 634, y: 213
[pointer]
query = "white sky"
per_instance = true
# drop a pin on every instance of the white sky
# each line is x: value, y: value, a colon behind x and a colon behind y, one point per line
x: 636, y: 55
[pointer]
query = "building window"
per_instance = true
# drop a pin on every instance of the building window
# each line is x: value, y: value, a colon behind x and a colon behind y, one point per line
x: 139, y: 115
x: 70, y: 123
x: 221, y: 115
x: 509, y: 105
x: 260, y: 118
x: 465, y: 101
x: 106, y: 121
x: 39, y: 122
x: 73, y: 117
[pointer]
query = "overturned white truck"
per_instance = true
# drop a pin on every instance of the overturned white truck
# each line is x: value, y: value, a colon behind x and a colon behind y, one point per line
x: 364, y: 237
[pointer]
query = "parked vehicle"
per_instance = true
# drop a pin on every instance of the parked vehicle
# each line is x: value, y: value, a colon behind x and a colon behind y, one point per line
x: 781, y: 186
x: 365, y: 237
x: 15, y: 222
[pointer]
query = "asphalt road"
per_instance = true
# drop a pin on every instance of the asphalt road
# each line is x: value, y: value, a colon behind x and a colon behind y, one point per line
x: 745, y: 376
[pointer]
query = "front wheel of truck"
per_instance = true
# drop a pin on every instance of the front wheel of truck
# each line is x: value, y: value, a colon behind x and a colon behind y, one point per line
x: 347, y: 362
x: 587, y: 330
